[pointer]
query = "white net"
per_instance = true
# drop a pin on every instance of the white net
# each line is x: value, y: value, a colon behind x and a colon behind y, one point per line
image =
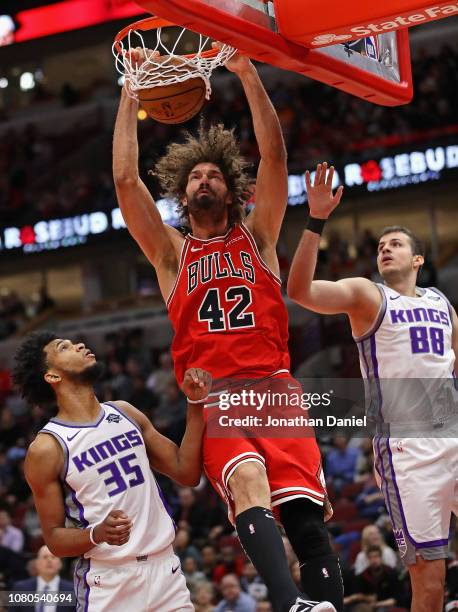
x: 162, y: 65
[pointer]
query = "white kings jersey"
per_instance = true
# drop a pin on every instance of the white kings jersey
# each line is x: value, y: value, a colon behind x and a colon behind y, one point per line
x: 106, y: 468
x: 408, y: 361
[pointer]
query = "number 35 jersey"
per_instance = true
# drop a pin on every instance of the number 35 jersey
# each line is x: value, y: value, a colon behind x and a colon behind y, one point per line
x: 106, y: 468
x: 227, y: 309
x: 409, y: 359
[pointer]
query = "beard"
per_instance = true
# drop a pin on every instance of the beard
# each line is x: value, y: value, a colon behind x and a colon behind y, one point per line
x: 208, y: 205
x: 90, y: 375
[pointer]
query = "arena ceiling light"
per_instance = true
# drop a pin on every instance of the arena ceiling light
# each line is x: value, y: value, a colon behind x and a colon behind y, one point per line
x: 26, y: 81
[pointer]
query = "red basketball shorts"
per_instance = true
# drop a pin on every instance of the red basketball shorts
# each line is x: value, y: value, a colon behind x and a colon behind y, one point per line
x: 292, y: 464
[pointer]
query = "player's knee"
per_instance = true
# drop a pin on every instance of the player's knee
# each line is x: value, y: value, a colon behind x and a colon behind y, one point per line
x: 431, y: 592
x: 249, y: 485
x: 304, y: 525
x: 312, y: 541
x: 428, y: 582
x: 428, y: 578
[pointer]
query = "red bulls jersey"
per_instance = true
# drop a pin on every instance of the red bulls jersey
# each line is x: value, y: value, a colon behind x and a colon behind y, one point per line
x: 227, y: 309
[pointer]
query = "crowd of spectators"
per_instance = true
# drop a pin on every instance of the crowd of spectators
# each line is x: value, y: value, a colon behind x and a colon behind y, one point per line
x: 33, y: 184
x: 218, y: 574
x: 15, y: 312
x: 316, y: 120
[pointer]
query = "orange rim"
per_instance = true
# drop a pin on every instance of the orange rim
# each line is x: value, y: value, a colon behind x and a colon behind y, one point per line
x: 154, y: 23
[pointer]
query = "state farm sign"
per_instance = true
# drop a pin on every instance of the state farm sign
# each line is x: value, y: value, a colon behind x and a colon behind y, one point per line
x: 384, y: 24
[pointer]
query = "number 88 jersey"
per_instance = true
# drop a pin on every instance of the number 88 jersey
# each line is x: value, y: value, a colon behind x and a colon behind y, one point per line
x: 411, y: 339
x: 227, y: 309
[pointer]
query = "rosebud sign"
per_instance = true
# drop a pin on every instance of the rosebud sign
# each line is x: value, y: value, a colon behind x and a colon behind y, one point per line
x: 401, y: 170
x: 55, y: 234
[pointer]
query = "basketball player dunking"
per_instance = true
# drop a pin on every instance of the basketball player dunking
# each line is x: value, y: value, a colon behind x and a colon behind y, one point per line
x: 222, y: 290
x: 89, y: 471
x: 402, y: 332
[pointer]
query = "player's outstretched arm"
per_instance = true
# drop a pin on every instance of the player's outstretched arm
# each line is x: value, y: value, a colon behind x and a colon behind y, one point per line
x: 325, y: 297
x: 43, y: 465
x: 196, y: 386
x: 138, y: 208
x: 181, y: 463
x: 272, y: 180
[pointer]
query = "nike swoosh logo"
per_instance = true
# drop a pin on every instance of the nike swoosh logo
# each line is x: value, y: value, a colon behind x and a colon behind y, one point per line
x: 175, y: 569
x: 194, y: 249
x: 292, y: 387
x: 70, y: 438
x: 394, y: 298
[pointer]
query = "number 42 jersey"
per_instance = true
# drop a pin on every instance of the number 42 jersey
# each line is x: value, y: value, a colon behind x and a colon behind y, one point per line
x: 227, y: 309
x: 106, y: 468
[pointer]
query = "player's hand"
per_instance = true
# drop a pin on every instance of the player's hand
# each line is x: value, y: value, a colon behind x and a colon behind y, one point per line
x: 138, y: 55
x: 321, y: 199
x: 114, y: 529
x: 197, y: 384
x: 238, y: 63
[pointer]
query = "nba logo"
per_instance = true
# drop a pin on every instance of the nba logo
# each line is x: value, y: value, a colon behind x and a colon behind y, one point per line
x: 251, y: 528
x: 113, y: 418
x: 371, y: 47
x: 325, y: 572
x: 97, y: 580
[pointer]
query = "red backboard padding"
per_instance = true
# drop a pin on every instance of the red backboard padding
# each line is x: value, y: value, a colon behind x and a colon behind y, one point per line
x: 306, y: 23
x: 267, y: 46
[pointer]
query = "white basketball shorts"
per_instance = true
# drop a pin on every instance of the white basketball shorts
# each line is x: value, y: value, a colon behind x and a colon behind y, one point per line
x: 419, y: 480
x: 152, y: 584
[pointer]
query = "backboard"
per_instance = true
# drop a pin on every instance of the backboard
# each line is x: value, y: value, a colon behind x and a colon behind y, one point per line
x: 376, y: 68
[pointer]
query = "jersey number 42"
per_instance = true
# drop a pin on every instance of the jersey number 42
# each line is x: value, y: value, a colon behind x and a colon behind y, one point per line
x: 234, y: 316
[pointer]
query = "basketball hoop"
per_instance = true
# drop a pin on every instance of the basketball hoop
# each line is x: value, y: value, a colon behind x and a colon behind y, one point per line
x: 169, y: 67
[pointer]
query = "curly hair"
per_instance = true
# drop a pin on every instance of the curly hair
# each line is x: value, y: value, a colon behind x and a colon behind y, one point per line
x: 216, y: 146
x: 30, y: 366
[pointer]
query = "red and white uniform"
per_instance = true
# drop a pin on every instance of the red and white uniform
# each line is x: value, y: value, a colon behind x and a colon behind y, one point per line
x: 229, y: 318
x: 227, y: 310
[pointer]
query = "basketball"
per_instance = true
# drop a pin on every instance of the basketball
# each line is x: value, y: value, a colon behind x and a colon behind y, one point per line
x: 174, y: 103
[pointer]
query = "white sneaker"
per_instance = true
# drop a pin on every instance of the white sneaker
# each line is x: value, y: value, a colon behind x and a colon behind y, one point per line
x: 303, y: 605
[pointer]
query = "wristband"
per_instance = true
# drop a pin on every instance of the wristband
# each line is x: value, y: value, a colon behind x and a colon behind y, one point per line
x: 91, y: 535
x: 316, y: 225
x: 197, y: 401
